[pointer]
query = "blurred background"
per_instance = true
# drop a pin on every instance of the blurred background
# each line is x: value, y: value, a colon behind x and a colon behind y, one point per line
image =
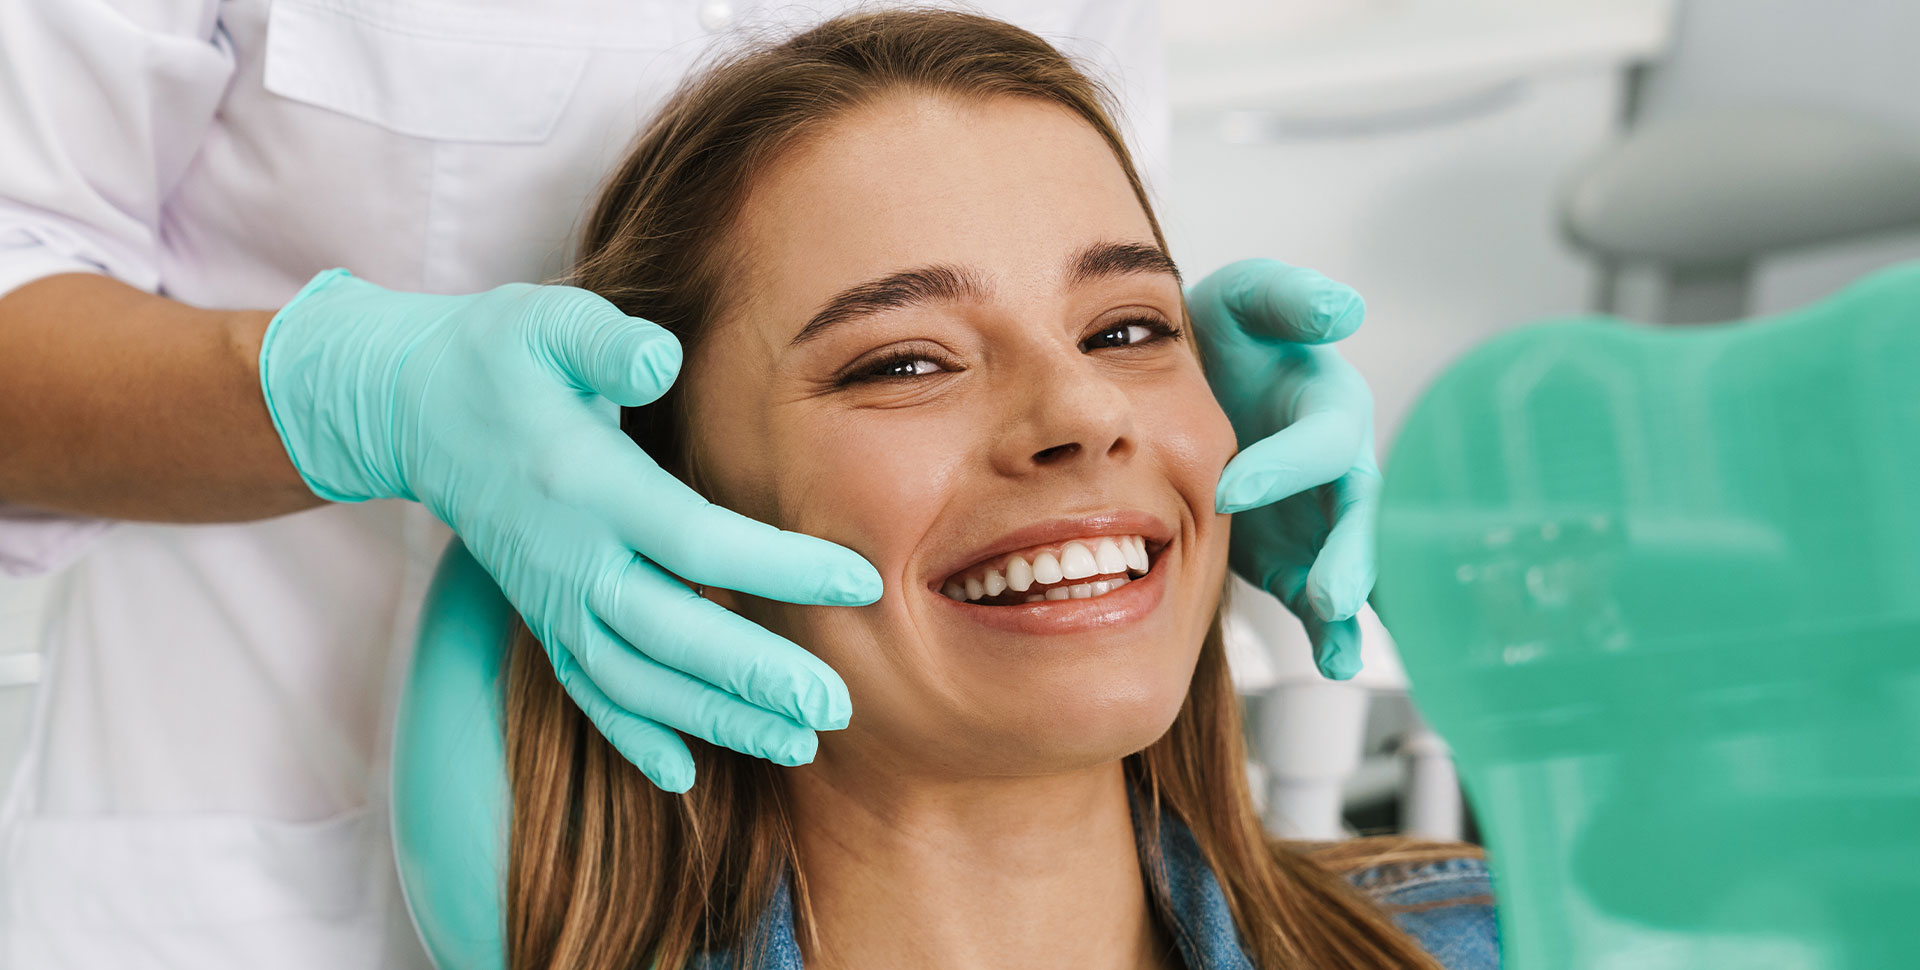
x: 1471, y: 166
x: 1441, y: 156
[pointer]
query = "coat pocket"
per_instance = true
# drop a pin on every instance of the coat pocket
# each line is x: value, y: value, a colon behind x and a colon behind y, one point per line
x: 444, y: 87
x: 214, y: 891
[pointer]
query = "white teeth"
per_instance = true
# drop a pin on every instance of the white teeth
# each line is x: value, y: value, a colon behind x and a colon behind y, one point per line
x: 995, y: 583
x: 1079, y: 591
x: 1125, y: 556
x: 1046, y: 569
x: 1019, y: 574
x: 1077, y: 562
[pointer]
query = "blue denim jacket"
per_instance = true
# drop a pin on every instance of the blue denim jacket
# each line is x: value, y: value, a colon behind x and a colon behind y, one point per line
x: 1446, y: 906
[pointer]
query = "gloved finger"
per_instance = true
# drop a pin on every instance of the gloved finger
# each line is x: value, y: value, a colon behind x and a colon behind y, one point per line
x: 624, y: 359
x: 1343, y: 572
x: 1336, y: 646
x: 1336, y: 643
x: 1272, y: 299
x: 704, y: 543
x: 1333, y: 410
x: 653, y: 748
x: 1313, y: 450
x: 660, y: 693
x: 666, y: 621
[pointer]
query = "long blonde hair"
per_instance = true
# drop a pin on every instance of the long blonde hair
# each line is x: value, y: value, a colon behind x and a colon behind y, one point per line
x: 607, y: 872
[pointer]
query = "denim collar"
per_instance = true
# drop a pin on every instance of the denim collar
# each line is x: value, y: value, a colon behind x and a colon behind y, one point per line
x: 1188, y: 897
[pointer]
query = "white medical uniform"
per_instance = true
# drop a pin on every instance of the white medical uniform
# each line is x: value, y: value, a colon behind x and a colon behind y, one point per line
x: 206, y: 781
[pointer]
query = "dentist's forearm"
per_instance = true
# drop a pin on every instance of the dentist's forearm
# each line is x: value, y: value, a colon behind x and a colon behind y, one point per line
x: 118, y: 403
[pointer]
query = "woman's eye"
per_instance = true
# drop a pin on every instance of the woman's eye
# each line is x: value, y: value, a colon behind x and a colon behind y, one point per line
x: 913, y: 367
x: 905, y: 366
x: 1128, y: 333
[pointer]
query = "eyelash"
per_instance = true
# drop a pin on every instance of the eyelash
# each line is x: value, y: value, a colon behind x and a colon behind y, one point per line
x: 876, y: 370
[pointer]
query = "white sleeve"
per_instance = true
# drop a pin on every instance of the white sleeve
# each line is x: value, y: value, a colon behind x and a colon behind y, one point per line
x: 102, y: 108
x: 1123, y: 45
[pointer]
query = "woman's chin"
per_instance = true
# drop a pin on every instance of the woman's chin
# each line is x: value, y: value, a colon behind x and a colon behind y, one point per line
x: 1064, y: 735
x: 1054, y: 736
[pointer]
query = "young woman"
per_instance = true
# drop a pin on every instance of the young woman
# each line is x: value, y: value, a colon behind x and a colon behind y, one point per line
x: 946, y: 334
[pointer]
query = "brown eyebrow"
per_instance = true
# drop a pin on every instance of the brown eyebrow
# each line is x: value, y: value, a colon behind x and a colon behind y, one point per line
x: 1102, y: 260
x: 928, y: 284
x: 941, y: 282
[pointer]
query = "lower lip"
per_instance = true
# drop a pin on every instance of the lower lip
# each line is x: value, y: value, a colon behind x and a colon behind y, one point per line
x: 1121, y: 606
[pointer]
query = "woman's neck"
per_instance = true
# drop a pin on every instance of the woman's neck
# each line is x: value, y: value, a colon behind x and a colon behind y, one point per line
x: 1027, y: 872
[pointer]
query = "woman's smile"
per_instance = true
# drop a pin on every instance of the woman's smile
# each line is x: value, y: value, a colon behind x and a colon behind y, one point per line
x: 1062, y: 575
x: 1053, y: 571
x: 1122, y: 602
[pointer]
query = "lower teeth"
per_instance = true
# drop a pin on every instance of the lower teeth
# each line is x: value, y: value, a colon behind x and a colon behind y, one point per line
x: 1080, y: 591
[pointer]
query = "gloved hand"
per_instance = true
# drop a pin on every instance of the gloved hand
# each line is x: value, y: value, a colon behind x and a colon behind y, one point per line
x: 497, y: 411
x: 1305, y: 485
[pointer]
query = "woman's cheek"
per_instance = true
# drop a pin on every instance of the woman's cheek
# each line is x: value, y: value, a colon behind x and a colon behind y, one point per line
x: 874, y: 482
x: 1195, y: 435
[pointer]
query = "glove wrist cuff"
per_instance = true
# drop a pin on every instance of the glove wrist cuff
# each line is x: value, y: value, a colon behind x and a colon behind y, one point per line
x: 302, y: 392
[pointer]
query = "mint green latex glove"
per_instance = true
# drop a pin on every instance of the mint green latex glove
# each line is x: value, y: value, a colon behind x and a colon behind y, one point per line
x: 1306, y: 486
x: 497, y: 411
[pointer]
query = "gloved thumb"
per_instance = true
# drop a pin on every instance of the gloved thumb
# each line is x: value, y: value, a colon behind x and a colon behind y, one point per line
x: 624, y: 359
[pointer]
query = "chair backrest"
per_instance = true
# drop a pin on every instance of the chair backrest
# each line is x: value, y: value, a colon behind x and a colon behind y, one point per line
x: 450, y: 793
x: 1660, y: 590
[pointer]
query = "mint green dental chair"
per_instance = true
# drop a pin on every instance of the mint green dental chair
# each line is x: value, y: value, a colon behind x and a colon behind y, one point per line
x: 1660, y: 590
x: 450, y: 794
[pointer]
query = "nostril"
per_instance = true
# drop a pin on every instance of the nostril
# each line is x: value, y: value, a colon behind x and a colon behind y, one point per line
x: 1055, y: 453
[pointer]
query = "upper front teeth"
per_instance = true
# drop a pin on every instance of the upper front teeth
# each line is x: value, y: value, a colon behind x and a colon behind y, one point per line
x: 1106, y: 555
x: 1077, y: 561
x: 1047, y: 569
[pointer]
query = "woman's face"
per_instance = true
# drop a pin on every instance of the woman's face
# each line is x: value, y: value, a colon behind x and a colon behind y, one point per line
x: 954, y: 343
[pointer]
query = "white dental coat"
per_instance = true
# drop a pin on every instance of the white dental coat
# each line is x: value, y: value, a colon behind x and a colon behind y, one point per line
x: 206, y: 780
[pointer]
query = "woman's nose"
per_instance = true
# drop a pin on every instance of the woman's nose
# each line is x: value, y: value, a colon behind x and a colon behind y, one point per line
x: 1064, y: 418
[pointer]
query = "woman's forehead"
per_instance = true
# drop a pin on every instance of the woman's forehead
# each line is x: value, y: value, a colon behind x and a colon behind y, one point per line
x: 1009, y: 190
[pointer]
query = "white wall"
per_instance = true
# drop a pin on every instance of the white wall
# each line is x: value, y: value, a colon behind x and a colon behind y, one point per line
x: 1855, y: 55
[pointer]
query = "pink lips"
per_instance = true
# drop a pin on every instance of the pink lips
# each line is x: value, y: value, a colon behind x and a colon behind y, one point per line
x: 1114, y: 523
x: 1129, y: 603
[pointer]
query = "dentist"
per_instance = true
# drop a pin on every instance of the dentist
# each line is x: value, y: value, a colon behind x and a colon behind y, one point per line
x: 245, y: 462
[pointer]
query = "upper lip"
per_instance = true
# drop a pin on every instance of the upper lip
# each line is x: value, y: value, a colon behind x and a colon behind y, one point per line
x: 1117, y: 522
